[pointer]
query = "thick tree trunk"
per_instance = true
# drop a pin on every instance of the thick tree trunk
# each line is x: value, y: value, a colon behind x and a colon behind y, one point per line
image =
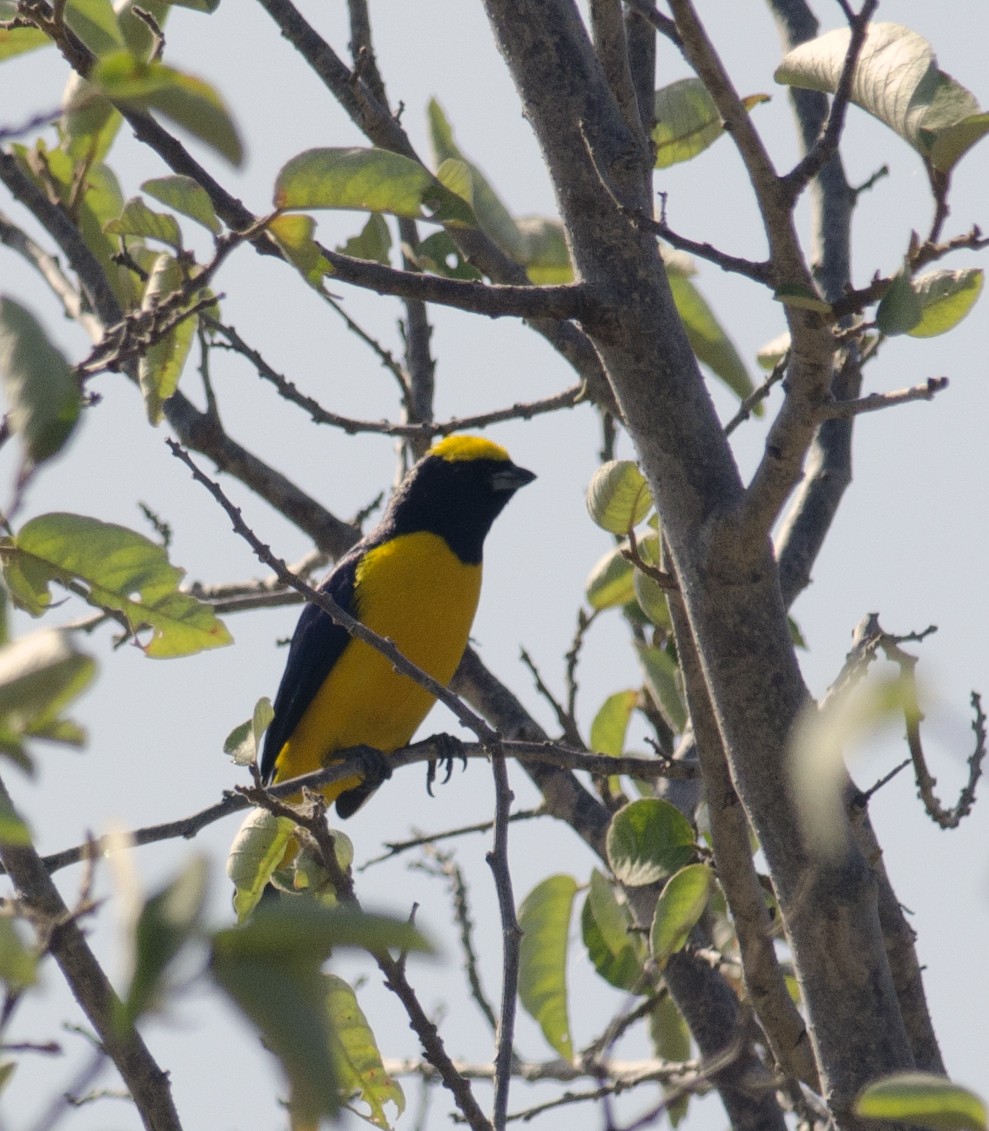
x: 717, y: 530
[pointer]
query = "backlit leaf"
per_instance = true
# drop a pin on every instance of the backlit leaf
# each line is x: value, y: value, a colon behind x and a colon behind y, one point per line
x: 492, y: 215
x: 256, y: 853
x: 899, y: 311
x: 545, y: 921
x: 687, y: 120
x: 160, y: 366
x: 945, y: 297
x: 648, y: 840
x: 618, y: 496
x: 244, y: 742
x: 189, y: 102
x: 680, y: 905
x: 610, y: 724
x: 708, y: 339
x: 898, y: 81
x: 360, y: 1072
x: 923, y: 1100
x: 374, y: 241
x: 662, y: 679
x: 649, y: 593
x: 18, y: 960
x: 40, y: 675
x: 186, y: 196
x: 164, y: 924
x: 610, y: 946
x: 610, y: 584
x: 294, y: 235
x: 42, y: 395
x: 368, y: 180
x: 120, y: 570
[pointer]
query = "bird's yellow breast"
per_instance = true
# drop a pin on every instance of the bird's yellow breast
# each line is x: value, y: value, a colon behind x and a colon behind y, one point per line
x: 416, y: 592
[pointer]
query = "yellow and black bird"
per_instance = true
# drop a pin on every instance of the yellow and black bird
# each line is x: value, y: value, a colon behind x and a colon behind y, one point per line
x: 414, y: 579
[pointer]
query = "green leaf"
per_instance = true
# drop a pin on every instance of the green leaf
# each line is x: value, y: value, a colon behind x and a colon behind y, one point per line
x: 301, y: 930
x: 360, y: 1071
x: 40, y: 675
x: 13, y: 829
x: 618, y: 496
x: 923, y: 1100
x: 294, y: 235
x: 7, y: 1068
x: 18, y: 41
x: 189, y: 102
x: 897, y: 80
x: 18, y: 961
x: 899, y: 311
x: 374, y: 241
x: 707, y: 337
x: 440, y: 255
x: 121, y: 570
x: 610, y: 724
x: 611, y: 948
x: 649, y: 593
x: 545, y: 254
x: 89, y: 122
x: 207, y: 6
x: 663, y: 682
x: 671, y: 1041
x: 165, y: 923
x: 687, y: 120
x: 773, y: 352
x: 96, y: 24
x: 610, y: 584
x: 801, y: 297
x: 455, y: 175
x: 368, y: 180
x: 492, y: 215
x: 186, y: 196
x: 280, y: 989
x: 257, y: 852
x: 160, y: 366
x: 648, y: 840
x: 945, y: 299
x: 244, y: 742
x: 680, y: 905
x: 545, y: 921
x: 41, y: 392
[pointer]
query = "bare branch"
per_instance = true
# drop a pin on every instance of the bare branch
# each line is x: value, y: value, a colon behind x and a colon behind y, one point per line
x: 826, y: 145
x: 874, y: 402
x: 663, y: 24
x: 422, y: 431
x: 397, y: 847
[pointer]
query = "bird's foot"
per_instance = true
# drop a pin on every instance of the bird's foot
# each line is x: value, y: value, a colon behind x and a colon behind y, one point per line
x: 448, y: 748
x: 374, y: 769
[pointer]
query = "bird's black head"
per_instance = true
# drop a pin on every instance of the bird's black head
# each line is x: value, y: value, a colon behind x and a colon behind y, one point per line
x: 456, y: 490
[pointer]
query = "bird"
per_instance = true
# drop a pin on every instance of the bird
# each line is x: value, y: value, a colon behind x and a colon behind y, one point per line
x: 414, y: 579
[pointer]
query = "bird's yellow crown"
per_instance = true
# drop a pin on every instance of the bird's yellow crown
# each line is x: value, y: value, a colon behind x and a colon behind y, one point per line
x: 456, y: 448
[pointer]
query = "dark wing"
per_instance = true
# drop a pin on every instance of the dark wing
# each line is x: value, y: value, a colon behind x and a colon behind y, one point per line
x: 317, y: 644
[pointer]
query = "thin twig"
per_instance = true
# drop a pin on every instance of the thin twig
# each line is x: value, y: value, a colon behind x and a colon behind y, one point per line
x: 397, y: 847
x: 532, y: 753
x: 826, y: 145
x: 511, y: 935
x: 874, y: 402
x: 422, y: 430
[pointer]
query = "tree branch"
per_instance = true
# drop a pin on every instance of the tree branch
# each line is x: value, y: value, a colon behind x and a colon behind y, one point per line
x: 61, y: 936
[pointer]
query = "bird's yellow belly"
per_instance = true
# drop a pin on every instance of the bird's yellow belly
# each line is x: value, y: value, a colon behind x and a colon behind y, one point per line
x: 416, y: 592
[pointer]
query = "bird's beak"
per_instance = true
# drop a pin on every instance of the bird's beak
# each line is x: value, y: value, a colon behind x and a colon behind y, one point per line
x: 511, y: 478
